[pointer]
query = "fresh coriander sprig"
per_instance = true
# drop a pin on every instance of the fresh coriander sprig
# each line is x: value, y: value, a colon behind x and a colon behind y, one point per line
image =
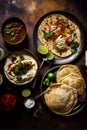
x: 37, y: 112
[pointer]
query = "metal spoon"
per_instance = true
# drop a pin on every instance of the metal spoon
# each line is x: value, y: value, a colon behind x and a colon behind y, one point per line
x: 29, y: 103
x: 44, y: 59
x: 40, y: 95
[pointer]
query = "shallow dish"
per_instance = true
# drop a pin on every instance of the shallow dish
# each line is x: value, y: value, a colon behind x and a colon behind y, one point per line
x: 58, y: 59
x: 13, y: 31
x: 20, y: 67
x: 79, y: 106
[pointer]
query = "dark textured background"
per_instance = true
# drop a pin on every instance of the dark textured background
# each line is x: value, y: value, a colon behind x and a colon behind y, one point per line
x: 30, y: 11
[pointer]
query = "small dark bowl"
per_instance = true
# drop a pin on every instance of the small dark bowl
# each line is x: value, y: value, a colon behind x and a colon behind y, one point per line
x: 8, y: 100
x: 13, y: 31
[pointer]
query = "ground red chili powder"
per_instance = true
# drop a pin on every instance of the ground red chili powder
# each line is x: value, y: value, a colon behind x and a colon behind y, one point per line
x: 8, y: 101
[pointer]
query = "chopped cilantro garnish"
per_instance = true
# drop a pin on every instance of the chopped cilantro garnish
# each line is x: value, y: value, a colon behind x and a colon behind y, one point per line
x: 21, y: 65
x: 47, y: 35
x: 16, y: 70
x: 19, y: 77
x: 9, y: 25
x: 37, y: 112
x: 74, y: 46
x: 71, y: 31
x: 74, y: 50
x: 21, y: 57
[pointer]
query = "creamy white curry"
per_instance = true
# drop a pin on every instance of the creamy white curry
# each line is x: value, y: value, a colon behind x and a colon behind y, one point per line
x: 20, y: 69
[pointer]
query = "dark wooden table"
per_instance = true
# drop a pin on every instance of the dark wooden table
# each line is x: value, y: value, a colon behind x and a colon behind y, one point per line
x: 30, y: 11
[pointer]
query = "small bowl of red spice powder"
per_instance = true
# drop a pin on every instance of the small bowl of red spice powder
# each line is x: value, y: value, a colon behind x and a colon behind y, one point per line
x: 13, y: 30
x: 8, y: 100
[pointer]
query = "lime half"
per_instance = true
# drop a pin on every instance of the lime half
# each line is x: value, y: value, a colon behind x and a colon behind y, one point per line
x: 42, y: 49
x: 50, y: 56
x: 26, y: 92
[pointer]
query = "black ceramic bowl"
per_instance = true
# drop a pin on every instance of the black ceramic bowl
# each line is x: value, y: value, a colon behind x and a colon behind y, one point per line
x: 13, y: 31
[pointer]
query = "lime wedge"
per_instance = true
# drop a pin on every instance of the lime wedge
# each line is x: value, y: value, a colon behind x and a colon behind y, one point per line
x: 50, y: 56
x: 26, y: 92
x: 42, y: 49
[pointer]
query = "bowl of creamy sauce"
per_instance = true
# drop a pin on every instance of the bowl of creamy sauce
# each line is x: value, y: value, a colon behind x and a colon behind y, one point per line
x: 29, y: 103
x: 20, y: 67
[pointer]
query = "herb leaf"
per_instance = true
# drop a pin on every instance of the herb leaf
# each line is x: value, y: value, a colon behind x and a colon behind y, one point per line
x: 74, y: 47
x: 71, y: 31
x: 19, y: 77
x: 37, y: 112
x: 21, y: 57
x: 47, y: 35
x: 16, y: 70
x: 21, y: 65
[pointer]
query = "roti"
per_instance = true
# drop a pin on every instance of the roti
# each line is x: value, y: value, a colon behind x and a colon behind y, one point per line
x: 64, y: 70
x: 61, y: 98
x: 70, y: 74
x: 76, y: 81
x: 59, y: 34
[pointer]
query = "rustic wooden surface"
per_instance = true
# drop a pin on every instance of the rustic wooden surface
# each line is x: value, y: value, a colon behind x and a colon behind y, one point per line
x: 30, y: 11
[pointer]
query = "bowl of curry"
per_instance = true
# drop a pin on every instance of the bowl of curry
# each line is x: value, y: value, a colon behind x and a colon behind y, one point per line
x: 13, y: 31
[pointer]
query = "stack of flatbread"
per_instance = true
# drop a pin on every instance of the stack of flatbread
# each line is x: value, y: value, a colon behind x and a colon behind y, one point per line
x: 62, y: 97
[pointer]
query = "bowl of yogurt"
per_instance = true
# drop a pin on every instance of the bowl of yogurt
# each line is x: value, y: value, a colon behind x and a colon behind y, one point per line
x: 29, y: 103
x: 20, y: 67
